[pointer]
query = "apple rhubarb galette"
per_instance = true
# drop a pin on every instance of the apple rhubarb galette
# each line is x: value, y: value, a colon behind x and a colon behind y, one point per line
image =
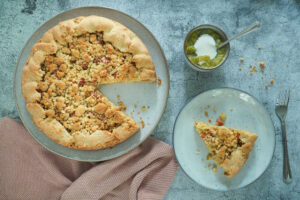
x: 65, y: 68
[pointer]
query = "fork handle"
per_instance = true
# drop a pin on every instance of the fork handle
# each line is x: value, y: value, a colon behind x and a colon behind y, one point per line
x: 287, y: 173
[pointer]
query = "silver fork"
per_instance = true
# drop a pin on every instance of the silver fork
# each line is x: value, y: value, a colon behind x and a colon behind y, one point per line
x: 281, y: 109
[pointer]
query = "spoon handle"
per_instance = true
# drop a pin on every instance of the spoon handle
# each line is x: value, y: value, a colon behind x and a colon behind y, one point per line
x: 249, y: 29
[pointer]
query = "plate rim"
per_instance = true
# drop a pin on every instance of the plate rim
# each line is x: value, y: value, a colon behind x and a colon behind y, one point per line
x: 173, y: 136
x: 111, y: 10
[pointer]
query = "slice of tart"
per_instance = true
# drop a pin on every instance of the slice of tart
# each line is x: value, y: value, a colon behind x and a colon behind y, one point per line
x: 228, y: 147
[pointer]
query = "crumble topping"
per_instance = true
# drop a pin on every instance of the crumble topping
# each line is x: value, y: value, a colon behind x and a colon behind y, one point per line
x: 71, y: 77
x: 220, y: 142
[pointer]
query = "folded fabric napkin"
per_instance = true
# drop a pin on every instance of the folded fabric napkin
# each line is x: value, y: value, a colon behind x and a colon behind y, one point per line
x: 29, y: 171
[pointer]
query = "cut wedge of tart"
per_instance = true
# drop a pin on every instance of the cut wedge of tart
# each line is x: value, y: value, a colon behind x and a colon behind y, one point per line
x: 228, y: 147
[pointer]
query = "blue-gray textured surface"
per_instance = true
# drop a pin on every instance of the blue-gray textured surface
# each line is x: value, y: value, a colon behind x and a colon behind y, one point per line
x: 169, y: 21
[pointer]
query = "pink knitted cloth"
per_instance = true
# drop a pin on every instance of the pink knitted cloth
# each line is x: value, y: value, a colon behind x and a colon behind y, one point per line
x: 29, y: 171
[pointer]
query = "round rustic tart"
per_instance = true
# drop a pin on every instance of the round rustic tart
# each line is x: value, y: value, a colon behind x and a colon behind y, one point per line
x: 65, y: 68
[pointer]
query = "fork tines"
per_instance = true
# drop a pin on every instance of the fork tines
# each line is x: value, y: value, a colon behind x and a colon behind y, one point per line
x: 283, y: 97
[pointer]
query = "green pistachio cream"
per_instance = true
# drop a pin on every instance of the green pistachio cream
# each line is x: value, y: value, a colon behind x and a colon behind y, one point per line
x: 201, y: 48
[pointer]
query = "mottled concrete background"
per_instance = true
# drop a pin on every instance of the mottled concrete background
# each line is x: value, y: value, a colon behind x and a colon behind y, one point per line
x: 169, y: 21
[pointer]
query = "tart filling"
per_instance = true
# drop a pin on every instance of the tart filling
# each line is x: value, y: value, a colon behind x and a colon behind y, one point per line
x: 71, y: 77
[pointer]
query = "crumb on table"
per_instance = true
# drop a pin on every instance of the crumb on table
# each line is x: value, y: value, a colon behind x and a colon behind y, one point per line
x: 272, y: 81
x: 242, y: 59
x: 135, y: 106
x: 143, y: 108
x: 148, y: 107
x: 231, y: 109
x: 253, y: 68
x: 118, y: 96
x: 209, y: 120
x: 262, y: 64
x: 197, y: 151
x: 259, y: 47
x: 266, y: 86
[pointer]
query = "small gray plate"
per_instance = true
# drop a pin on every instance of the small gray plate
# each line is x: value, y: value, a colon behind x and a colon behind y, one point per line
x: 140, y: 94
x: 247, y: 114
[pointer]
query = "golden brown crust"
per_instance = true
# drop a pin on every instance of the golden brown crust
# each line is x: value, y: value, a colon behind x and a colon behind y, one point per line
x: 229, y: 147
x: 33, y: 83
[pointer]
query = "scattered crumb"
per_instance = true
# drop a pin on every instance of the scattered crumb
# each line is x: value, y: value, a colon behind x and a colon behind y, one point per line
x: 214, y: 168
x: 143, y: 124
x: 259, y: 47
x: 251, y: 73
x: 209, y: 120
x: 215, y: 109
x: 208, y: 106
x: 262, y: 64
x: 266, y: 86
x: 122, y: 106
x: 242, y: 59
x: 272, y: 81
x: 206, y: 113
x: 118, y: 96
x: 240, y: 68
x: 143, y: 108
x: 131, y: 113
x: 197, y: 151
x: 231, y: 109
x: 148, y: 107
x: 253, y: 69
x: 209, y: 166
x: 138, y: 113
x: 202, y: 160
x: 208, y: 157
x: 222, y: 116
x: 159, y: 81
x: 135, y: 106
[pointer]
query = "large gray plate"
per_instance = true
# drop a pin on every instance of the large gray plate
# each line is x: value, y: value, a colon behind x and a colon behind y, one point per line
x: 139, y: 94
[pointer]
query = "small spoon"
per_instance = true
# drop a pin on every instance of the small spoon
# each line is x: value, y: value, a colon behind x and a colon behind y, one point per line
x: 249, y: 29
